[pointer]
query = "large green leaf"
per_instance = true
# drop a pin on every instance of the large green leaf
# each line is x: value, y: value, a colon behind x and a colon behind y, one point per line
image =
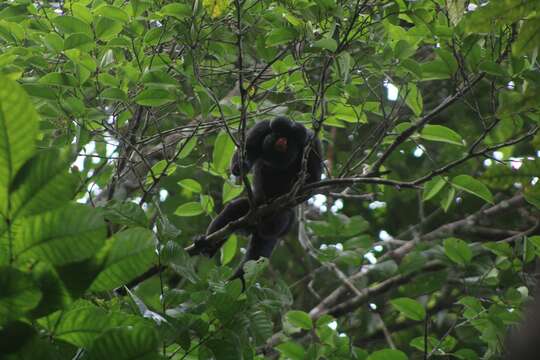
x: 154, y: 97
x: 18, y: 294
x: 410, y: 308
x: 299, y: 319
x: 498, y: 12
x: 291, y: 350
x: 125, y: 213
x: 84, y: 322
x: 42, y: 184
x: 458, y: 251
x: 133, y: 343
x: 178, y: 259
x: 433, y: 187
x: 61, y: 236
x: 112, y: 12
x: 130, y: 254
x: 54, y: 294
x: 441, y: 134
x: 69, y: 25
x: 414, y: 100
x: 223, y: 151
x: 473, y: 186
x: 387, y: 354
x: 179, y: 11
x: 228, y: 250
x: 529, y: 37
x: 18, y: 128
x: 191, y: 208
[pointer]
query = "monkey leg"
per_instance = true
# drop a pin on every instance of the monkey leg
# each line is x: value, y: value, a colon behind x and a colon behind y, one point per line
x: 232, y: 211
x: 276, y: 225
x: 265, y: 238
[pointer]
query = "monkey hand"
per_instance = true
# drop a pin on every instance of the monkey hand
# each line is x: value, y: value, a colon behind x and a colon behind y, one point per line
x: 201, y: 245
x: 246, y: 166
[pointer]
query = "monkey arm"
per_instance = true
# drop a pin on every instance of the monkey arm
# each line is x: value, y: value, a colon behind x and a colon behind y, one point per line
x: 254, y: 140
x: 315, y: 162
x: 233, y: 211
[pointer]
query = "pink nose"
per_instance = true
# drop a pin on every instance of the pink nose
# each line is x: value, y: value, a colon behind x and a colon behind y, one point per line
x: 281, y: 144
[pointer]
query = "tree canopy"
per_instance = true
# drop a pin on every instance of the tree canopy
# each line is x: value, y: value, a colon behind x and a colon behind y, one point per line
x: 118, y: 121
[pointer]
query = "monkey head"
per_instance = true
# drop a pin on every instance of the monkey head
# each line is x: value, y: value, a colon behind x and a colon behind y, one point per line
x: 284, y: 144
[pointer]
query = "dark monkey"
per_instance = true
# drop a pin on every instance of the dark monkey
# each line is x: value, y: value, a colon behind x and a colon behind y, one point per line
x: 274, y: 152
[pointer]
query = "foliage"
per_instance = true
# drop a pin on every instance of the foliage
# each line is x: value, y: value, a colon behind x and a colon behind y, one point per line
x: 118, y: 120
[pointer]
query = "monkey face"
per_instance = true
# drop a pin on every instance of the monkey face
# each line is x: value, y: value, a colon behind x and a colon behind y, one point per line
x: 280, y: 151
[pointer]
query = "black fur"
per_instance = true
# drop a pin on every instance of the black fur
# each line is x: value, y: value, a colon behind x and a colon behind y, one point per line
x: 274, y: 174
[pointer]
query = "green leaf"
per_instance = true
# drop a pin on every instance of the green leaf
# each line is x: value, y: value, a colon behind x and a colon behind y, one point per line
x: 280, y: 36
x: 113, y: 94
x: 471, y: 185
x: 191, y: 185
x: 187, y: 147
x: 444, y: 345
x: 207, y: 203
x: 496, y: 13
x: 299, y: 319
x: 43, y: 184
x: 70, y: 25
x: 159, y: 169
x: 126, y: 343
x: 435, y: 70
x: 18, y: 129
x: 414, y: 99
x: 112, y: 12
x: 449, y: 60
x: 174, y: 255
x: 53, y: 290
x: 492, y: 68
x: 433, y: 187
x: 223, y: 152
x: 387, y: 354
x: 226, y: 348
x: 261, y: 326
x: 448, y: 198
x: 458, y: 251
x: 79, y: 40
x: 230, y: 191
x: 326, y: 43
x: 528, y: 39
x: 228, y: 250
x: 19, y: 294
x: 59, y: 79
x: 456, y: 9
x: 291, y: 350
x: 189, y: 209
x: 154, y: 97
x: 131, y: 253
x: 404, y: 49
x: 83, y: 322
x: 410, y: 308
x: 82, y: 12
x: 215, y: 8
x: 179, y: 11
x: 54, y: 42
x: 532, y: 196
x: 441, y: 134
x: 107, y: 29
x: 69, y: 234
x: 125, y: 213
x: 161, y: 79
